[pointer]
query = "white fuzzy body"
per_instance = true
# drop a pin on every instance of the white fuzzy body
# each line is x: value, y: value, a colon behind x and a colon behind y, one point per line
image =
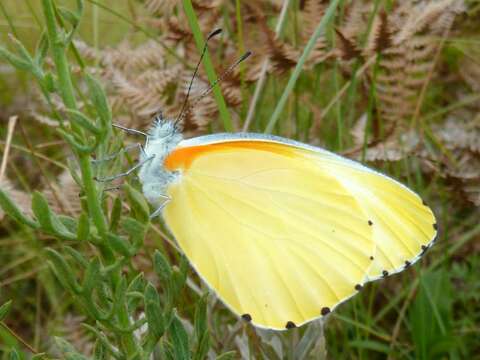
x: 162, y: 138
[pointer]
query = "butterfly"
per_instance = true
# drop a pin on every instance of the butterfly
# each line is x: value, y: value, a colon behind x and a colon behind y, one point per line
x: 282, y: 232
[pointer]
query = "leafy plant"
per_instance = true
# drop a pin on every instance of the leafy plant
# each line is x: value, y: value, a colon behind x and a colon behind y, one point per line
x: 93, y: 259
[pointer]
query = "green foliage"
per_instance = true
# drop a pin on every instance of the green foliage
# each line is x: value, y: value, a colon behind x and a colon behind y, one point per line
x: 15, y: 212
x: 92, y: 264
x: 5, y: 309
x: 111, y: 298
x: 431, y: 318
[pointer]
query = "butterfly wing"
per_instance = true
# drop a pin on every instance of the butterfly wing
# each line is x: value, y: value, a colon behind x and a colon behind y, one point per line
x: 282, y: 231
x: 403, y: 226
x: 278, y: 238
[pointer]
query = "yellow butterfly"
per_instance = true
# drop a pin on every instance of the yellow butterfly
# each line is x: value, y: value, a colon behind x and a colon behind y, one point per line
x: 281, y: 231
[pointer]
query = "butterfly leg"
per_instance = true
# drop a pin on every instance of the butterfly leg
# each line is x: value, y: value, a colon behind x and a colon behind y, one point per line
x: 130, y: 131
x: 114, y: 155
x: 126, y: 173
x: 160, y: 208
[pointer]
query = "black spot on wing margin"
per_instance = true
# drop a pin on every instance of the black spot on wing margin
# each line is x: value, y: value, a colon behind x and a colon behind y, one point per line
x: 247, y: 317
x: 290, y: 325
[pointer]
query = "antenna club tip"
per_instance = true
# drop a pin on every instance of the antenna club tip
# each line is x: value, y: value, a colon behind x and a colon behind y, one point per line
x: 246, y: 55
x: 214, y: 33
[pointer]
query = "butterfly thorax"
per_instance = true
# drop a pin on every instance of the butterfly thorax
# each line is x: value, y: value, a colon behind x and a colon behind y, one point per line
x: 162, y: 138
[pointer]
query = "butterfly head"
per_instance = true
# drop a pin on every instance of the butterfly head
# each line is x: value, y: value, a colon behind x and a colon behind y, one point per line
x: 162, y: 137
x: 163, y: 130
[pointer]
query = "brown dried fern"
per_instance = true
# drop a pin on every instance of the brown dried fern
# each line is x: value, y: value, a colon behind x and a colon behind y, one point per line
x: 406, y: 39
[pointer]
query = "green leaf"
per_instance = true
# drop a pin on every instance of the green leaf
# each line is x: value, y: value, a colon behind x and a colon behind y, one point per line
x: 77, y: 256
x: 63, y: 271
x: 202, y: 347
x: 83, y: 228
x: 49, y: 82
x: 47, y: 219
x: 153, y: 313
x: 42, y: 50
x: 179, y: 338
x: 84, y: 121
x: 136, y: 231
x: 92, y: 276
x: 179, y: 277
x: 166, y: 351
x: 5, y: 309
x: 69, y: 222
x: 79, y: 147
x: 431, y: 314
x: 119, y: 296
x: 25, y: 55
x: 201, y: 317
x: 101, y: 338
x: 21, y: 49
x: 115, y: 214
x: 120, y: 245
x: 99, y: 100
x: 138, y: 203
x: 14, y: 211
x: 15, y: 60
x: 13, y: 355
x: 371, y: 345
x: 136, y: 285
x: 70, y: 16
x: 100, y: 351
x: 162, y: 266
x: 68, y: 350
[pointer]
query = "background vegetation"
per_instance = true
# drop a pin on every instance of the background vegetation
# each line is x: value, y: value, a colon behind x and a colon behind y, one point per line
x: 395, y: 84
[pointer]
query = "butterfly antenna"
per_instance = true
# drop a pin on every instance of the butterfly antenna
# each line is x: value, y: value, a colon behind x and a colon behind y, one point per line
x: 219, y: 79
x: 204, y: 50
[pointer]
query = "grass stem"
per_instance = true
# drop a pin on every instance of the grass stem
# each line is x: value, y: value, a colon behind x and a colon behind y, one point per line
x: 329, y: 13
x: 199, y: 40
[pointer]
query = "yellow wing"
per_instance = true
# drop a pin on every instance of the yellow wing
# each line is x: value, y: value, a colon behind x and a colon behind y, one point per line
x: 283, y: 234
x: 403, y: 225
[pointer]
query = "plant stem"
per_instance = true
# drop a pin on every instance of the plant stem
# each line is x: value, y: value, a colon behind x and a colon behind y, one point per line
x: 68, y: 97
x: 263, y: 72
x: 197, y: 34
x: 94, y: 206
x: 298, y: 69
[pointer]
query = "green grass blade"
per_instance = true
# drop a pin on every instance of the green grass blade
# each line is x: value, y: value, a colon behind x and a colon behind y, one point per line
x: 298, y: 69
x: 199, y: 41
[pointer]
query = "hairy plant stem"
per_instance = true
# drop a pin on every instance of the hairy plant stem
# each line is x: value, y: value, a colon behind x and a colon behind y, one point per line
x: 67, y: 93
x: 68, y: 97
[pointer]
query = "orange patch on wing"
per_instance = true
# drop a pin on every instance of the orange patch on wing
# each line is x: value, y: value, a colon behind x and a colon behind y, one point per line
x: 183, y: 157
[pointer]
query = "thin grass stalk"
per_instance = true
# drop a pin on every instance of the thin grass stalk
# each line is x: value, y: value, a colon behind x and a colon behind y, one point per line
x: 11, y: 126
x: 9, y: 20
x: 298, y: 68
x: 370, y: 107
x: 263, y: 71
x: 241, y: 51
x: 199, y: 41
x: 352, y: 91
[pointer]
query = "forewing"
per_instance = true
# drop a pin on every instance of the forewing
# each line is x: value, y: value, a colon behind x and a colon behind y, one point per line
x: 277, y: 236
x: 403, y: 226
